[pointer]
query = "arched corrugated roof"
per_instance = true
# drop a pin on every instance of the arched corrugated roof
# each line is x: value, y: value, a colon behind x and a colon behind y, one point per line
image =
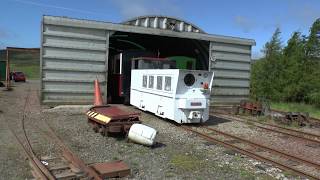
x: 164, y: 22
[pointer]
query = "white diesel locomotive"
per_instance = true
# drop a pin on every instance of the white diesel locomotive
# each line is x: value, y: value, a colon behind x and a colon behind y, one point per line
x: 176, y: 94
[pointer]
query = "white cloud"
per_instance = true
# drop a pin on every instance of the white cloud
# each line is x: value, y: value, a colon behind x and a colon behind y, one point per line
x: 304, y: 14
x: 130, y: 8
x: 244, y: 23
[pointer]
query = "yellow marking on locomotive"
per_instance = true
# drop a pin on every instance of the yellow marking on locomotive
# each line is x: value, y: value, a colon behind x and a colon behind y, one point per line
x: 103, y: 118
x: 91, y: 113
x: 94, y: 114
x: 88, y: 113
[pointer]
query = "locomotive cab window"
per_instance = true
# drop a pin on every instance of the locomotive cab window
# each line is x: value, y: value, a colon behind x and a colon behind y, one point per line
x: 151, y: 82
x: 159, y: 82
x: 144, y: 81
x: 167, y: 83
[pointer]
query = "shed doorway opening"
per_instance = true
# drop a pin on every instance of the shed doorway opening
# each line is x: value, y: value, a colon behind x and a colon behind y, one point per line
x: 125, y: 48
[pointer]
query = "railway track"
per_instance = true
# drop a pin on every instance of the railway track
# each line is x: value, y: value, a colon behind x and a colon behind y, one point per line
x: 76, y: 162
x: 66, y: 166
x: 283, y: 112
x: 257, y: 151
x: 39, y: 170
x: 314, y: 138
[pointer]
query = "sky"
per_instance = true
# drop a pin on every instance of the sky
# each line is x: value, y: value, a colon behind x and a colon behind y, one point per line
x: 254, y: 19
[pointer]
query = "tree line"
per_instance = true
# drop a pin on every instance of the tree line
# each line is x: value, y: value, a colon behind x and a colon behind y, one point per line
x: 289, y: 73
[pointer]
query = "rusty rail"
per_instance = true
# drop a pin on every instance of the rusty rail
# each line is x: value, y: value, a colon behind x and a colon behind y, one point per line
x: 294, y: 133
x: 40, y: 170
x: 41, y: 166
x: 71, y: 157
x: 250, y: 153
x: 33, y: 162
x: 265, y: 147
x: 282, y: 112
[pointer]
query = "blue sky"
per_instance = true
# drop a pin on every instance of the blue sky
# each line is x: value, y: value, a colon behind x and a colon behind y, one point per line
x: 254, y: 19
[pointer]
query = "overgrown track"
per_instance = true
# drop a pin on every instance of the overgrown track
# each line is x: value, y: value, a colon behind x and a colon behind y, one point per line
x: 38, y: 169
x: 66, y: 152
x: 257, y: 151
x: 314, y: 138
x: 283, y: 112
x: 71, y: 157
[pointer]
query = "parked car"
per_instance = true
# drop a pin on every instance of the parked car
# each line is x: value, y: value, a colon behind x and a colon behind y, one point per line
x: 18, y: 76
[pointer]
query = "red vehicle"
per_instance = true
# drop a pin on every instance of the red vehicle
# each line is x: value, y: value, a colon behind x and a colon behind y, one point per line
x: 18, y: 76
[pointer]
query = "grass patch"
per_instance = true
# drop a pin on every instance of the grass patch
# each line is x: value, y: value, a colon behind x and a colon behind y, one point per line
x: 289, y: 174
x: 31, y: 71
x: 186, y: 162
x: 170, y: 174
x: 263, y: 118
x: 246, y: 174
x: 297, y: 107
x: 26, y: 62
x: 237, y: 158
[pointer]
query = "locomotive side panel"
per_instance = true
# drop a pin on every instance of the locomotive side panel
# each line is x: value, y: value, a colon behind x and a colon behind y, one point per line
x: 179, y: 95
x: 154, y: 91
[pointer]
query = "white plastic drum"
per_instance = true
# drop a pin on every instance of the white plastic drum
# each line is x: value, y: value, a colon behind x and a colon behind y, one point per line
x: 142, y: 134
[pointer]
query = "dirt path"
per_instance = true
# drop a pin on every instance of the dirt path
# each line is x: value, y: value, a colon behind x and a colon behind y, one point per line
x: 14, y: 164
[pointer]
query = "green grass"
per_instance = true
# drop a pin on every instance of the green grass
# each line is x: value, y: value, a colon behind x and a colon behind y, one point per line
x: 28, y: 63
x: 31, y: 71
x: 297, y: 107
x: 186, y: 162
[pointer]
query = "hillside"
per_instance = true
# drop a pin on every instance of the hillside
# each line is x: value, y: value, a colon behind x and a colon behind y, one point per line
x: 26, y: 62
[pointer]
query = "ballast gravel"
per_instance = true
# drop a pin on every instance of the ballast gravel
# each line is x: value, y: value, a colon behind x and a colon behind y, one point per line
x: 177, y: 155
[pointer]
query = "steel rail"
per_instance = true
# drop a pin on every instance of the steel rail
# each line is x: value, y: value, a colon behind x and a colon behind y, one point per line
x: 41, y: 166
x: 32, y: 161
x: 265, y: 147
x: 71, y: 156
x: 67, y: 153
x: 40, y: 169
x: 301, y: 136
x: 250, y: 153
x: 279, y: 111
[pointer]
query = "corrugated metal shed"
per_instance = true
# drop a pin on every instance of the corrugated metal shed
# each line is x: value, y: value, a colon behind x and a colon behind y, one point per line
x: 71, y: 58
x: 164, y: 22
x: 231, y: 64
x: 74, y: 52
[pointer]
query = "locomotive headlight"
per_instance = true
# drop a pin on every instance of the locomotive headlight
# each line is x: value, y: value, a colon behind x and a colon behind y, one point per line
x: 189, y: 79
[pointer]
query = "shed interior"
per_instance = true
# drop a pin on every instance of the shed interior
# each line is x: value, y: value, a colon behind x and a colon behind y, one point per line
x: 159, y: 46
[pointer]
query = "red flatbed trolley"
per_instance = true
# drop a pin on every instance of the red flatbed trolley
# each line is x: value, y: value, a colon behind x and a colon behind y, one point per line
x: 111, y: 119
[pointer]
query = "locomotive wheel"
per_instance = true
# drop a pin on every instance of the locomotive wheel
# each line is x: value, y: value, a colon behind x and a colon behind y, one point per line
x: 95, y: 127
x: 102, y: 131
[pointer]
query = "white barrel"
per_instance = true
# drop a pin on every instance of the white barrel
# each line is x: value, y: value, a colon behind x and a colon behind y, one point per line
x: 142, y: 134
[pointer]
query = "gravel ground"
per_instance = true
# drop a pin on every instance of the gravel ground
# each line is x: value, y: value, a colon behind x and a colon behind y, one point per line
x: 285, y: 143
x: 179, y: 155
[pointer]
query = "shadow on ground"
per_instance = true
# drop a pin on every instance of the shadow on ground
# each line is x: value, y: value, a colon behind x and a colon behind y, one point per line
x: 213, y: 120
